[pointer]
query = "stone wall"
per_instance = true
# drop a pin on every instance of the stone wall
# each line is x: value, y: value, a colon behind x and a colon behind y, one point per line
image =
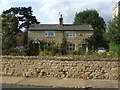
x: 60, y: 67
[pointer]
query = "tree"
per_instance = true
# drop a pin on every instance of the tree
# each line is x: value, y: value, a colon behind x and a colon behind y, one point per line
x: 23, y: 15
x: 26, y: 37
x: 9, y: 31
x: 114, y: 30
x: 113, y: 35
x: 92, y: 17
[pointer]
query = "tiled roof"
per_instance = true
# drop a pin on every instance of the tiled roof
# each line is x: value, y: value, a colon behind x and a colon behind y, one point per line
x: 60, y: 27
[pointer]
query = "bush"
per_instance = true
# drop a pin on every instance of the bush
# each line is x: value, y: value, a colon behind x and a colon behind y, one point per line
x: 20, y: 53
x: 53, y: 48
x: 74, y: 52
x: 16, y: 52
x: 47, y: 53
x: 103, y: 54
x: 89, y: 53
x: 13, y: 50
x: 81, y: 52
x: 10, y: 51
x: 115, y: 48
x: 111, y: 54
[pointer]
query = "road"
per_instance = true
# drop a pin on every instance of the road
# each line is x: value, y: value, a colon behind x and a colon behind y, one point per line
x: 20, y: 86
x: 38, y: 88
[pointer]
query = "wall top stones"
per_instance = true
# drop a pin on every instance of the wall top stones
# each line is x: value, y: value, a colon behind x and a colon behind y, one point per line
x: 61, y: 58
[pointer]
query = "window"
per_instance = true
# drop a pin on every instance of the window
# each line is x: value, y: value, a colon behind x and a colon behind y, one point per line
x: 71, y: 46
x: 49, y: 33
x: 70, y: 34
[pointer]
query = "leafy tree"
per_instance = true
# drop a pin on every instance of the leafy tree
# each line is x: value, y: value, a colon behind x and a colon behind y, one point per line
x: 9, y: 32
x: 23, y: 15
x: 113, y: 35
x: 0, y: 35
x: 92, y: 17
x: 24, y: 19
x: 114, y: 30
x: 26, y: 36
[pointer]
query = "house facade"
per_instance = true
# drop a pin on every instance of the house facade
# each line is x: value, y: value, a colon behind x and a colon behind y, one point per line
x: 116, y: 10
x: 75, y: 35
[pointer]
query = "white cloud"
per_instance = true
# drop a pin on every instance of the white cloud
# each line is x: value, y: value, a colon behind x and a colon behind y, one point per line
x: 62, y: 0
x: 4, y: 5
x: 50, y: 10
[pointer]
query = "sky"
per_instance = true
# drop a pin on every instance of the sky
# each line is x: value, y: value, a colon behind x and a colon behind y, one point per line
x: 47, y: 11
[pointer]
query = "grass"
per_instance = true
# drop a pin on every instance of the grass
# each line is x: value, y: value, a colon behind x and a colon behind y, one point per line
x: 89, y: 54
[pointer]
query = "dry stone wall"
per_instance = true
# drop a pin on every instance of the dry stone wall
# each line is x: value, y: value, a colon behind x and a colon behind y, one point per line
x: 60, y: 67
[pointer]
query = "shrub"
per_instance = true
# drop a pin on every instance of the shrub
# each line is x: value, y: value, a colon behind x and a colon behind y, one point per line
x: 80, y: 51
x: 47, y: 53
x: 9, y: 51
x: 95, y: 54
x: 111, y: 54
x: 19, y: 53
x: 74, y: 52
x: 115, y: 48
x: 103, y: 54
x: 89, y: 53
x: 52, y: 48
x: 15, y: 52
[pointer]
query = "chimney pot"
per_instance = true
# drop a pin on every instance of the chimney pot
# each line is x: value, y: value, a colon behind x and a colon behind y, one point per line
x: 61, y: 20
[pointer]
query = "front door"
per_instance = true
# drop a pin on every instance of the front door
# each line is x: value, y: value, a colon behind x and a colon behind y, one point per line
x: 84, y: 47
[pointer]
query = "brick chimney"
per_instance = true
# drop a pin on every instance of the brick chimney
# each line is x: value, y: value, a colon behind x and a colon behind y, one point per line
x: 61, y: 20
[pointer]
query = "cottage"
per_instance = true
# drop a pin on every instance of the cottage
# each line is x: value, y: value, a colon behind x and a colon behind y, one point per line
x: 75, y: 35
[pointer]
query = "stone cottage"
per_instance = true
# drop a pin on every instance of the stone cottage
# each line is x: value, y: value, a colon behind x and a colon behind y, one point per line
x: 75, y: 35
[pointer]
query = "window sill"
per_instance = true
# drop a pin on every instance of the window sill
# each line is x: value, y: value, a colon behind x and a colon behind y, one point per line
x: 50, y: 37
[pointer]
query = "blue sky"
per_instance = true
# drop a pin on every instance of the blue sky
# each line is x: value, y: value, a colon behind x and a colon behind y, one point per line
x: 47, y: 11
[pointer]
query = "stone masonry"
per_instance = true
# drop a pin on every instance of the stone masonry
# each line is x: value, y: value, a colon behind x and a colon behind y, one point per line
x: 60, y: 67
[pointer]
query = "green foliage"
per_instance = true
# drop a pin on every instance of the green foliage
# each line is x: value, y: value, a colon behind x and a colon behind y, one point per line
x: 31, y: 51
x: 114, y: 30
x: 15, y: 52
x: 53, y: 48
x: 15, y: 19
x: 115, y: 48
x: 20, y: 53
x: 10, y: 24
x: 63, y: 47
x: 113, y: 35
x: 74, y: 52
x: 26, y: 37
x: 24, y: 15
x: 0, y: 22
x: 47, y: 53
x: 10, y: 30
x: 89, y: 53
x: 80, y: 51
x: 92, y: 17
x: 96, y: 54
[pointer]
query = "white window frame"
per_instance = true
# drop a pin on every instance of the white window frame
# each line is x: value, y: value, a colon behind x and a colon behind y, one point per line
x: 71, y: 46
x: 49, y: 33
x: 70, y: 34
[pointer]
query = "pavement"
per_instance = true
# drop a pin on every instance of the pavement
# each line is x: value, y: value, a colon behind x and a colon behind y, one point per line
x: 56, y: 83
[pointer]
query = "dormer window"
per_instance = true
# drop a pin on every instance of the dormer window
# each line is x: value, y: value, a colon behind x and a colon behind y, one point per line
x: 70, y: 34
x: 49, y: 33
